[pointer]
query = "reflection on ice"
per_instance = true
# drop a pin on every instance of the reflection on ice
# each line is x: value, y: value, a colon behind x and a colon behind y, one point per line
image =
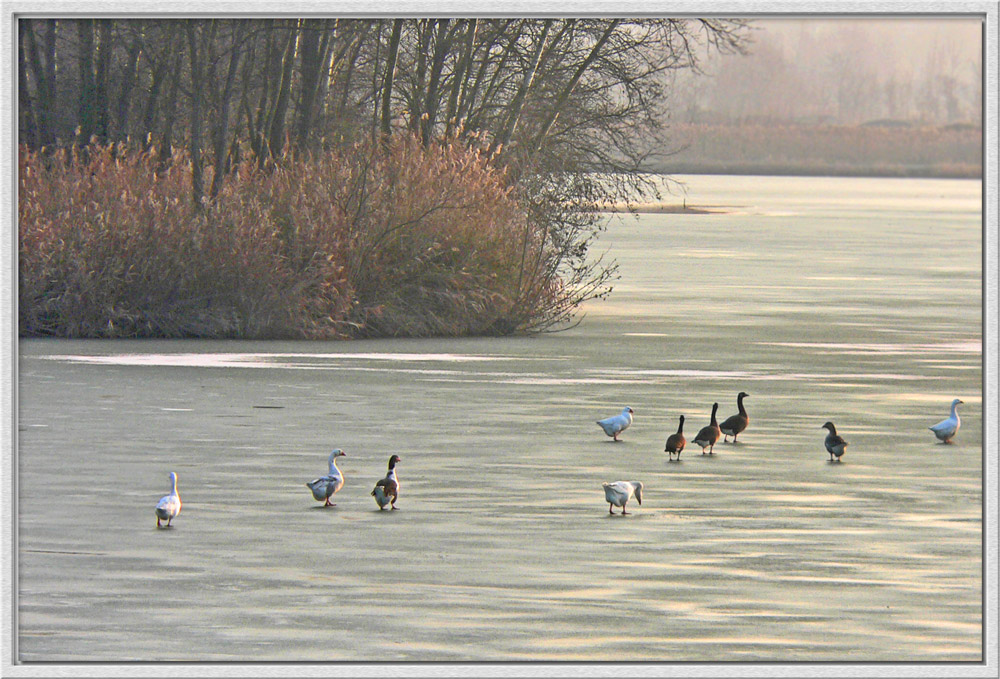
x: 972, y: 346
x: 262, y: 360
x: 361, y: 362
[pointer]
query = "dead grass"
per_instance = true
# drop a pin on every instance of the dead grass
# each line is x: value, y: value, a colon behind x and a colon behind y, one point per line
x: 406, y: 241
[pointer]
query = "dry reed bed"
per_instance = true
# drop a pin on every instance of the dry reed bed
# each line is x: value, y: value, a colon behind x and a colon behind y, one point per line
x: 365, y: 241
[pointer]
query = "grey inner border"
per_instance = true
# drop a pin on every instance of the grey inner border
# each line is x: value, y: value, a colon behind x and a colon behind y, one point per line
x: 257, y: 8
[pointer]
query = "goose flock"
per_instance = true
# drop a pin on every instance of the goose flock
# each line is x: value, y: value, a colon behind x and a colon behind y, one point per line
x: 617, y: 493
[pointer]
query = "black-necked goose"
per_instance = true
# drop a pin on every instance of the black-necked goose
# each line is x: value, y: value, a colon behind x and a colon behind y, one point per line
x: 708, y: 436
x: 737, y: 423
x: 676, y: 442
x: 945, y: 429
x: 324, y: 487
x: 386, y: 491
x: 169, y: 506
x: 835, y: 444
x: 617, y: 494
x: 615, y: 425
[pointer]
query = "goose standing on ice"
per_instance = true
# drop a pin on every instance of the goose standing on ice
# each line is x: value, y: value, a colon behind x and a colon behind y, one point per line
x: 732, y: 426
x: 386, y: 491
x: 945, y: 429
x: 324, y: 487
x: 618, y: 493
x: 615, y: 425
x: 676, y: 442
x: 169, y: 506
x: 835, y: 444
x: 708, y: 436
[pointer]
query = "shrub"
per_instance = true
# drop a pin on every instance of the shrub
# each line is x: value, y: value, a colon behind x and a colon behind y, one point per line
x: 370, y: 241
x: 110, y: 247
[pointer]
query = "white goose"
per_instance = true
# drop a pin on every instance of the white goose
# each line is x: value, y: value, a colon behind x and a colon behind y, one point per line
x: 169, y: 506
x: 615, y: 425
x: 324, y: 487
x: 945, y: 429
x: 618, y: 493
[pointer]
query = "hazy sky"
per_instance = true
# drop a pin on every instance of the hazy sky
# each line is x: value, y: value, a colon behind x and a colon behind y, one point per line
x: 853, y: 69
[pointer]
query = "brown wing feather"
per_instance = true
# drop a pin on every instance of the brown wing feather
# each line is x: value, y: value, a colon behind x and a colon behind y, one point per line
x: 735, y: 423
x: 709, y: 433
x: 388, y: 486
x: 675, y: 443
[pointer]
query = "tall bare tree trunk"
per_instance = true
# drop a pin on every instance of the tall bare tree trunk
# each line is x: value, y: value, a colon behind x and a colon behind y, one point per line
x: 129, y: 71
x: 432, y: 103
x: 27, y: 105
x: 276, y: 132
x: 390, y: 74
x: 222, y: 124
x: 314, y: 45
x: 459, y: 79
x: 101, y: 75
x: 564, y: 95
x: 517, y: 105
x: 197, y: 181
x: 43, y: 74
x: 85, y: 64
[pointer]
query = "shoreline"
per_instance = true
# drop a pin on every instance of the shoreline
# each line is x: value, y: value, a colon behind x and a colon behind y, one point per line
x: 934, y: 172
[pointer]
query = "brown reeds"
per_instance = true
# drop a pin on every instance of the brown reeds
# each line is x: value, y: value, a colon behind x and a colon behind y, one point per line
x: 368, y: 241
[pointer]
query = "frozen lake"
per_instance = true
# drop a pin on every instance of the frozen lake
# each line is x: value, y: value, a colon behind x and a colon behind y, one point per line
x: 851, y: 300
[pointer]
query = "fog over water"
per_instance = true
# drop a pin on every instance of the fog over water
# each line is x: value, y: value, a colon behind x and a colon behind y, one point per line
x: 844, y: 70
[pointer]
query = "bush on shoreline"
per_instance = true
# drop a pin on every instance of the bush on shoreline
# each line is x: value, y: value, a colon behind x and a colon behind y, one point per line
x: 368, y: 241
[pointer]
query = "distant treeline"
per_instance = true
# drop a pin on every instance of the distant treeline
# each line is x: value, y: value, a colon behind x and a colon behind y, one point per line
x: 881, y: 149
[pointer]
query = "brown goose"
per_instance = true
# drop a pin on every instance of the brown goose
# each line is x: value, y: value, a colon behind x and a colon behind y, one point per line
x: 737, y: 423
x: 709, y: 435
x: 835, y: 445
x: 676, y: 442
x: 386, y: 491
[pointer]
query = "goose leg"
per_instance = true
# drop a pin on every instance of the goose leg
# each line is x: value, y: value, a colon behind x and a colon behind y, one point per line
x: 623, y: 509
x: 158, y: 522
x: 610, y: 510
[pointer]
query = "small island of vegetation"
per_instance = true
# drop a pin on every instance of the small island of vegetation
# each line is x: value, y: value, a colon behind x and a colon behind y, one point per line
x: 332, y: 178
